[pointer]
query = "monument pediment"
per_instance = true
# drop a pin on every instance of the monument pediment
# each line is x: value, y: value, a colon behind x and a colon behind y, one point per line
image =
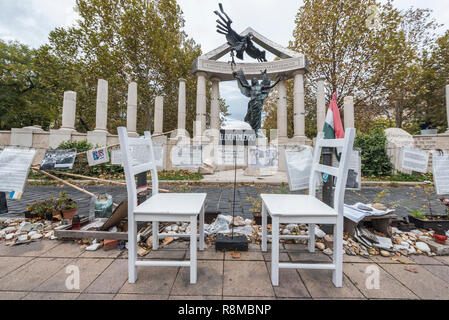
x: 290, y: 61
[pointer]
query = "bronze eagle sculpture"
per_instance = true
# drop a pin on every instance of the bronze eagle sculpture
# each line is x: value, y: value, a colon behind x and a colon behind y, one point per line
x: 238, y: 43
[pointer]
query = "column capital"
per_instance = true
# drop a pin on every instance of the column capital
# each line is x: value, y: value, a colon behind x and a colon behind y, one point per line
x: 215, y: 79
x: 201, y: 74
x: 182, y: 80
x: 297, y: 72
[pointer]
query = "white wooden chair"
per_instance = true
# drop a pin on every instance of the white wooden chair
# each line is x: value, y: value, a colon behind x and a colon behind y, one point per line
x: 307, y: 209
x: 170, y: 207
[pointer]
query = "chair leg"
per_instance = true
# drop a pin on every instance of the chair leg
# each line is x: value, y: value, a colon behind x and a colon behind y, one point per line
x: 311, y: 245
x: 132, y: 252
x: 264, y: 228
x: 155, y: 235
x: 275, y: 252
x: 202, y: 229
x: 193, y: 260
x: 337, y: 275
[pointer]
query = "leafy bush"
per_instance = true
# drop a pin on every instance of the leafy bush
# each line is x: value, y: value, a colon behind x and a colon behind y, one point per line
x: 375, y: 160
x: 80, y: 146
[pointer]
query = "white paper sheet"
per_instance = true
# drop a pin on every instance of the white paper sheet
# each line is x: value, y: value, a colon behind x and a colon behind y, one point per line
x: 97, y: 156
x: 414, y: 159
x: 230, y: 155
x: 441, y: 172
x: 14, y: 167
x: 187, y: 156
x: 299, y: 165
x: 263, y: 157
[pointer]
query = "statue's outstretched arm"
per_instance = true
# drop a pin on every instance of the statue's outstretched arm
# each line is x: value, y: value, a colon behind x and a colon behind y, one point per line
x: 281, y: 78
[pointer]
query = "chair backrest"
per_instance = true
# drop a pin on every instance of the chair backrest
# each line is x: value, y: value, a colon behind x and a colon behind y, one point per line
x: 137, y: 157
x: 340, y: 172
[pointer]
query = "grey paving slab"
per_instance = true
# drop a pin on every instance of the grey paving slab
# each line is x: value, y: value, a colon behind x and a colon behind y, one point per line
x: 392, y: 260
x: 89, y: 270
x: 290, y: 284
x: 283, y: 256
x: 443, y: 259
x: 9, y: 264
x: 210, y: 280
x: 245, y: 256
x: 165, y: 254
x: 50, y: 296
x: 12, y: 295
x: 151, y: 280
x: 422, y: 282
x: 65, y: 250
x: 389, y: 287
x: 112, y: 279
x: 441, y: 272
x: 421, y: 259
x: 246, y: 278
x: 210, y: 254
x: 195, y: 298
x: 319, y: 284
x: 237, y: 298
x: 100, y: 253
x: 34, y: 249
x: 32, y: 274
x: 356, y: 259
x: 93, y: 296
x: 140, y: 297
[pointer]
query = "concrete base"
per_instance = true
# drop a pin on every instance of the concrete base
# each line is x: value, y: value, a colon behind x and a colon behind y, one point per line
x: 59, y: 136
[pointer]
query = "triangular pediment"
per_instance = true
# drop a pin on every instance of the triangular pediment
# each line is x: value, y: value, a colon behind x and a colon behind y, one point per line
x: 259, y: 39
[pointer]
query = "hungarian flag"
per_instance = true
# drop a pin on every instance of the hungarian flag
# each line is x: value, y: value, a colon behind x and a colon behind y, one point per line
x: 333, y: 128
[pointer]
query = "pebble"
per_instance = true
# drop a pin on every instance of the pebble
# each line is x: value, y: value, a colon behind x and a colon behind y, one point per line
x: 23, y: 238
x: 319, y: 233
x: 286, y: 232
x: 379, y: 206
x: 9, y: 236
x: 320, y: 246
x: 423, y: 247
x: 384, y: 253
x: 328, y: 251
x: 416, y: 231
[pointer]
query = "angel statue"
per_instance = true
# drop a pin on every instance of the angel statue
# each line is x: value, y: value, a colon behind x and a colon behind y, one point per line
x: 258, y: 92
x: 238, y: 43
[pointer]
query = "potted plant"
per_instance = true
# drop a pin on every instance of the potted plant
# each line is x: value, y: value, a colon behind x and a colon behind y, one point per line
x: 67, y: 206
x: 43, y: 209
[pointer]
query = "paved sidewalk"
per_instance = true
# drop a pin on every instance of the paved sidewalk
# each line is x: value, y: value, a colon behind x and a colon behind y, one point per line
x: 38, y: 271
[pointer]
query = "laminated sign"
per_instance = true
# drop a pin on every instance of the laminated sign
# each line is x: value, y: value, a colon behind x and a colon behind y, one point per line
x: 140, y: 153
x: 263, y: 157
x: 58, y: 160
x: 14, y: 167
x: 414, y: 159
x: 299, y: 166
x: 187, y: 156
x: 230, y: 155
x: 441, y: 172
x: 98, y: 156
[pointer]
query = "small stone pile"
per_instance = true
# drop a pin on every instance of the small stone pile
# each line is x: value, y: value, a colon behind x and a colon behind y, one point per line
x: 21, y: 230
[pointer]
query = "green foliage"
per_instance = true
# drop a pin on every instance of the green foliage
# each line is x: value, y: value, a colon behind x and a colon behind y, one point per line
x: 80, y: 146
x: 375, y: 160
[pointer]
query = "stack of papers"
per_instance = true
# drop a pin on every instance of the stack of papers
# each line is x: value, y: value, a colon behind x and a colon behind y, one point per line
x: 356, y: 214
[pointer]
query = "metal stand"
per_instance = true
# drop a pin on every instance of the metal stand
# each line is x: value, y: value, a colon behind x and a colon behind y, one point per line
x: 233, y: 243
x: 3, y: 203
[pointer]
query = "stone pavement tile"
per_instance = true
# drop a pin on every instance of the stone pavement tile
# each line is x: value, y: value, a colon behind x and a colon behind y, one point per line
x: 283, y: 256
x: 112, y: 279
x: 389, y: 260
x: 247, y: 298
x: 140, y: 297
x: 443, y: 259
x: 94, y: 296
x: 423, y: 283
x: 421, y: 259
x: 305, y: 256
x: 389, y: 287
x: 64, y: 250
x: 34, y: 249
x: 441, y: 272
x: 50, y: 296
x: 210, y: 280
x: 100, y: 253
x: 32, y: 274
x: 355, y: 259
x: 10, y: 295
x: 210, y: 254
x: 247, y: 279
x: 89, y: 270
x: 319, y: 284
x: 290, y: 284
x: 151, y: 280
x: 195, y: 298
x: 178, y: 245
x: 164, y: 254
x: 9, y: 264
x: 246, y: 256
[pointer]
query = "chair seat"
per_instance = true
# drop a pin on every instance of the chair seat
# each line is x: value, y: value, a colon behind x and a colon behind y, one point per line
x: 296, y: 206
x: 173, y: 203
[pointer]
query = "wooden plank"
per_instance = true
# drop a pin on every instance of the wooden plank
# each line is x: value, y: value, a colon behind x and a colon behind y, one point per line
x: 100, y: 235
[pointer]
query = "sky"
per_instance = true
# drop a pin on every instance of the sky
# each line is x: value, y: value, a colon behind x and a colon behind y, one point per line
x: 30, y: 21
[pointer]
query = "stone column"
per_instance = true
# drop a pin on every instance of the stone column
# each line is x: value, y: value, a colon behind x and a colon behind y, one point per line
x: 131, y: 121
x: 447, y: 107
x: 215, y: 105
x: 69, y: 111
x: 282, y: 109
x: 299, y: 105
x: 321, y: 105
x: 201, y: 103
x: 159, y: 115
x: 182, y: 102
x: 349, y: 112
x: 102, y: 106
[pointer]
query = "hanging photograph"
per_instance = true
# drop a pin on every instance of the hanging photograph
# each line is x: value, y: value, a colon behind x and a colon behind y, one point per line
x: 58, y: 160
x: 263, y: 157
x: 97, y: 156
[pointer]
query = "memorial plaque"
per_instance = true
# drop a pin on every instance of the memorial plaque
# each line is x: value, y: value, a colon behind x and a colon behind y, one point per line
x: 97, y: 156
x: 140, y: 154
x: 414, y: 159
x: 238, y: 137
x: 14, y: 167
x: 58, y: 160
x: 263, y: 157
x: 298, y: 162
x: 441, y: 172
x: 187, y: 156
x: 355, y: 171
x: 230, y: 155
